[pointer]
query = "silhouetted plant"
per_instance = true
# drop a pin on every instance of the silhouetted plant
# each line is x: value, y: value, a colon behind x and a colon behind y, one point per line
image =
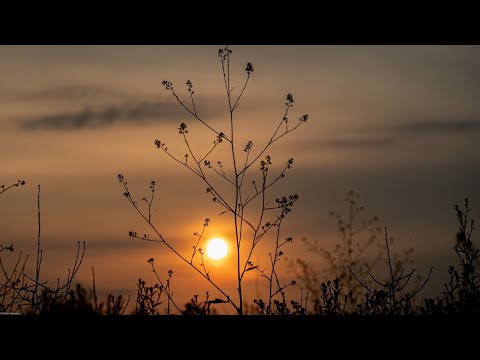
x: 9, y: 300
x: 116, y: 305
x: 469, y: 291
x: 361, y: 253
x: 148, y: 299
x: 79, y: 301
x: 274, y: 285
x: 300, y: 308
x: 194, y: 307
x: 390, y: 299
x: 331, y: 301
x: 28, y: 294
x: 34, y: 296
x: 462, y: 291
x: 233, y: 174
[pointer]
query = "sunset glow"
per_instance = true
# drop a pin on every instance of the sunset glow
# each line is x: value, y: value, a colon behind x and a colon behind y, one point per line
x: 180, y: 165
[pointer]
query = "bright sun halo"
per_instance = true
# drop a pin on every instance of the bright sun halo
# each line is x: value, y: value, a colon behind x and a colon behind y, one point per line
x: 217, y: 249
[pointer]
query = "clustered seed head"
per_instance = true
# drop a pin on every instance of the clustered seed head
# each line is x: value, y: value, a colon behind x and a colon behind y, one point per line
x: 168, y: 84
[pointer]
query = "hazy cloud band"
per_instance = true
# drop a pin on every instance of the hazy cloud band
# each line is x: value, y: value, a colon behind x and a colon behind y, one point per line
x: 138, y: 113
x: 441, y: 126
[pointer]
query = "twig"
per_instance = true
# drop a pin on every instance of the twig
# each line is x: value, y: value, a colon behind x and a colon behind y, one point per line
x: 94, y: 291
x: 39, y: 256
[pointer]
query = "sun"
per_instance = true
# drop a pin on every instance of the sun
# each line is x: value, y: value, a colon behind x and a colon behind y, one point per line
x: 217, y: 249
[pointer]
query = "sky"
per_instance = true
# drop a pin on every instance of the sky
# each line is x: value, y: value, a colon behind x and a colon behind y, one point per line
x: 398, y: 124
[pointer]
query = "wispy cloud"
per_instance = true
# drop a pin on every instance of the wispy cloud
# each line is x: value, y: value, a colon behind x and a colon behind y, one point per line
x: 438, y: 127
x: 89, y: 118
x: 70, y: 93
x: 384, y: 137
x: 424, y: 127
x: 356, y: 143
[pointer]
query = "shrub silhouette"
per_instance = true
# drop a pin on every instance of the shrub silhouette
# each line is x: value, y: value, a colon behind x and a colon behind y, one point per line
x: 20, y: 292
x: 8, y: 298
x: 360, y: 247
x: 249, y: 230
x: 391, y: 298
x: 28, y: 294
x: 194, y: 307
x: 79, y: 301
x: 462, y: 291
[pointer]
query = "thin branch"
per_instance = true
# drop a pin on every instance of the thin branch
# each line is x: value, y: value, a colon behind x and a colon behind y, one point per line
x: 195, y: 247
x: 39, y: 260
x: 94, y: 291
x: 236, y: 104
x: 195, y: 115
x: 127, y: 193
x: 215, y: 143
x: 163, y: 288
x: 423, y: 285
x: 3, y: 188
x: 264, y: 188
x: 201, y: 176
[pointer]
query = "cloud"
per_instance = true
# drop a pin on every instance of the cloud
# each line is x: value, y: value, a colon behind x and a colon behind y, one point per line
x: 424, y: 127
x: 356, y: 143
x: 384, y: 137
x: 90, y: 118
x: 70, y: 93
x: 439, y: 127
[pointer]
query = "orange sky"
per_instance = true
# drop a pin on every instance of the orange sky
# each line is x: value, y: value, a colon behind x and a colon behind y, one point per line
x: 399, y: 124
